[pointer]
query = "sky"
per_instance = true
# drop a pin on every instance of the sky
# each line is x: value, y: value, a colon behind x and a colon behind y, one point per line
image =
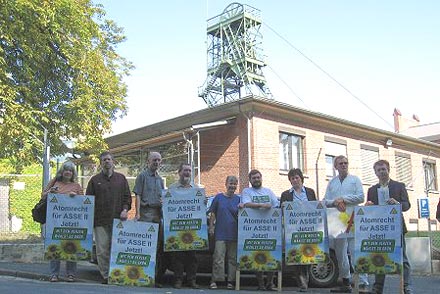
x: 385, y: 54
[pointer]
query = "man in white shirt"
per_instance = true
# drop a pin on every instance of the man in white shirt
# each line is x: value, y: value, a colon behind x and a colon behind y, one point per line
x: 344, y: 192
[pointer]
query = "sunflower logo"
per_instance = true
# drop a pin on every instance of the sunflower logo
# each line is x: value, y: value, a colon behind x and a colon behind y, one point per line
x: 363, y: 265
x: 69, y: 249
x: 292, y: 255
x: 380, y: 263
x: 70, y: 246
x: 172, y: 243
x: 245, y: 262
x: 117, y: 276
x: 308, y: 252
x: 187, y: 239
x: 378, y: 260
x: 53, y: 252
x: 262, y: 260
x: 133, y: 275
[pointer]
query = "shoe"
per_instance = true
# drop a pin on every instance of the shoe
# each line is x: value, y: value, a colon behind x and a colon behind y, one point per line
x: 53, y: 278
x: 407, y: 290
x: 104, y: 281
x: 70, y: 278
x: 261, y: 288
x: 364, y: 288
x: 192, y: 284
x: 178, y: 284
x: 302, y: 289
x: 230, y: 286
x: 213, y: 285
x: 271, y: 287
x: 342, y: 289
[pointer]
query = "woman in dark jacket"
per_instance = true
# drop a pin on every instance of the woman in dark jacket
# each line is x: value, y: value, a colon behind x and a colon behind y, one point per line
x: 299, y: 193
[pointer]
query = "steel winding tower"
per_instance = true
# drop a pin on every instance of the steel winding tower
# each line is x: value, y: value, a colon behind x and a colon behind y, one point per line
x: 235, y: 56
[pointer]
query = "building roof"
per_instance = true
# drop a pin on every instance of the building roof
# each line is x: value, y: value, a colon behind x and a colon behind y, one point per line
x: 428, y: 132
x: 170, y: 130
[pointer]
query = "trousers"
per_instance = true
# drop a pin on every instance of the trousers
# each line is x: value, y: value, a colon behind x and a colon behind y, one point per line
x: 224, y: 249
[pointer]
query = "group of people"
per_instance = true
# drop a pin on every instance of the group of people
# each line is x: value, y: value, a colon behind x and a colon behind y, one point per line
x: 113, y: 200
x: 343, y: 192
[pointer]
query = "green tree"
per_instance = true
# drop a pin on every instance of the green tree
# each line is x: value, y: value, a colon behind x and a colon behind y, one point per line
x: 59, y: 70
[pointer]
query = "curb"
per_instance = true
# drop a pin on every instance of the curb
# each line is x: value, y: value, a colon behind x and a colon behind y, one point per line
x: 25, y: 275
x: 35, y: 276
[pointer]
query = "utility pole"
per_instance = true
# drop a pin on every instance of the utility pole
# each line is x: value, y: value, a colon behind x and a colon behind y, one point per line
x: 46, y: 160
x: 427, y: 186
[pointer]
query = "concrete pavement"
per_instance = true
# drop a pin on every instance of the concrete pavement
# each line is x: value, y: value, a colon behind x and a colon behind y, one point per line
x: 88, y: 273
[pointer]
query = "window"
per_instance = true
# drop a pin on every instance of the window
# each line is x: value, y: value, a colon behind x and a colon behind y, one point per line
x: 430, y: 175
x: 333, y: 149
x: 329, y: 170
x: 291, y: 151
x: 403, y: 169
x: 369, y: 155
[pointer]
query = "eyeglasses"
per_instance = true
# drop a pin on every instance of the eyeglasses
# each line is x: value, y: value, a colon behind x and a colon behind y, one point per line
x: 342, y: 163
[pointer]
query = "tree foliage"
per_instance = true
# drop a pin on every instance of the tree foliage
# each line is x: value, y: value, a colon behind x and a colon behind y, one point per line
x: 59, y: 70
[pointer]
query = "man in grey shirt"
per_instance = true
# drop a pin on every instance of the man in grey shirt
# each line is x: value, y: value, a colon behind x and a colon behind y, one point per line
x: 148, y: 189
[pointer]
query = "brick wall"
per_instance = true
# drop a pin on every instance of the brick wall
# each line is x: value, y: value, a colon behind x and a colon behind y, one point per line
x: 219, y: 156
x: 224, y: 151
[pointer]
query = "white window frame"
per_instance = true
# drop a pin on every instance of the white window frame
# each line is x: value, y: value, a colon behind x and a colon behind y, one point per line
x: 429, y: 170
x: 332, y: 150
x: 291, y: 151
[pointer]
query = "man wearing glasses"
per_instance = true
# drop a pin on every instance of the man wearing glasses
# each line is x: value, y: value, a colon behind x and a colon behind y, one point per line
x: 344, y: 192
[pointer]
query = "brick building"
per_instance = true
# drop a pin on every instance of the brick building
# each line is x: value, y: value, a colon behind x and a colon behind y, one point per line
x: 234, y: 137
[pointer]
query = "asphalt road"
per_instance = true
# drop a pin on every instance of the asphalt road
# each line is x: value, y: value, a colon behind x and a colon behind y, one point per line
x: 8, y: 284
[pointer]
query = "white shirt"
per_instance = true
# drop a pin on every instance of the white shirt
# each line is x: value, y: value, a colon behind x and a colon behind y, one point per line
x: 260, y: 195
x: 350, y: 190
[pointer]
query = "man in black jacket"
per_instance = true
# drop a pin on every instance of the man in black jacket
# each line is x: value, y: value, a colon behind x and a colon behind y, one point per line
x: 299, y: 193
x: 388, y: 192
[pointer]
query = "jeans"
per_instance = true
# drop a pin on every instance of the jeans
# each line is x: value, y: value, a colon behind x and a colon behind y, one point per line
x: 56, y: 264
x: 103, y: 238
x: 222, y: 249
x: 342, y: 245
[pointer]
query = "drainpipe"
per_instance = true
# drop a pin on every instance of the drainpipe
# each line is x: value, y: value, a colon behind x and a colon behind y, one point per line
x: 317, y: 173
x: 198, y: 159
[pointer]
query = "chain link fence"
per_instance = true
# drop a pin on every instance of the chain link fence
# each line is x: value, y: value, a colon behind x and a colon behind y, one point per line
x: 18, y: 195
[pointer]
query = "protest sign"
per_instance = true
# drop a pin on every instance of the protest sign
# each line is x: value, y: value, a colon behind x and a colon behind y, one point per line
x: 259, y: 239
x: 185, y: 221
x: 305, y: 232
x: 378, y: 239
x: 69, y: 227
x: 133, y: 253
